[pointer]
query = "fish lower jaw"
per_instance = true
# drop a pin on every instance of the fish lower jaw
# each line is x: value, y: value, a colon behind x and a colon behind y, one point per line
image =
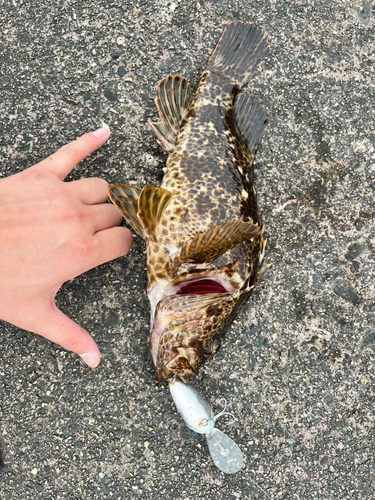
x: 183, y: 304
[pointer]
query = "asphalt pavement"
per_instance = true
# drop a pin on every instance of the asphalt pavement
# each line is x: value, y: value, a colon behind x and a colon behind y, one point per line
x: 297, y: 366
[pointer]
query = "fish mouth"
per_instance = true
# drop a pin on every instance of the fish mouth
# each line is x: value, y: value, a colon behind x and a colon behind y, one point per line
x: 201, y: 287
x: 163, y: 290
x: 186, y: 322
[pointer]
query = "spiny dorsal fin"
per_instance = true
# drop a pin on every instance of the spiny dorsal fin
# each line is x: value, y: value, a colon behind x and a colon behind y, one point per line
x: 172, y: 101
x: 250, y: 117
x: 262, y: 270
x: 262, y: 265
x: 209, y: 246
x: 125, y: 198
x: 151, y: 205
x: 239, y: 52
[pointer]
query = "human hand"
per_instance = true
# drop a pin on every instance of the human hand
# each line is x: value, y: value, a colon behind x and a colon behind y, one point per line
x: 50, y: 232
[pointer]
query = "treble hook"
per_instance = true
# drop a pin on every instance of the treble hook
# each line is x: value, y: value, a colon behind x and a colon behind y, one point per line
x: 223, y: 412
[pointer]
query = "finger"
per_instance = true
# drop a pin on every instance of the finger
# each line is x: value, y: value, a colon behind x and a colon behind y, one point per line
x: 97, y: 249
x: 54, y: 325
x: 111, y: 244
x: 90, y: 191
x: 66, y: 158
x: 104, y: 216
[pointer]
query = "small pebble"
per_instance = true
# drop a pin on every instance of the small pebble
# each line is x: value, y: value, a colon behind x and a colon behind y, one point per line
x: 110, y: 95
x: 115, y: 54
x: 121, y: 71
x: 120, y: 41
x: 344, y: 289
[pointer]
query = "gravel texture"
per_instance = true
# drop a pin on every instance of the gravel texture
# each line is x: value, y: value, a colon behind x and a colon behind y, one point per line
x: 297, y: 367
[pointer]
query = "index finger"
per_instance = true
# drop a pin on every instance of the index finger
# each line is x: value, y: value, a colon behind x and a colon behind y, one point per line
x: 66, y: 158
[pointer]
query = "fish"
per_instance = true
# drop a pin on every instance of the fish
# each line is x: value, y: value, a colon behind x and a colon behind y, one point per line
x: 202, y: 226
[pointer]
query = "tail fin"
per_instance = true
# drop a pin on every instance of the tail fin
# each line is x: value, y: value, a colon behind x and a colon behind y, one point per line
x: 239, y: 52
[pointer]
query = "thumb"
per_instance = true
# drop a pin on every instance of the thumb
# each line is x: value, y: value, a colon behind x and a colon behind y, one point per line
x: 54, y: 325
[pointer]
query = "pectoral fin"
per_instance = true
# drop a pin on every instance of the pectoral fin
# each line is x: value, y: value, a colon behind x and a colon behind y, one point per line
x: 151, y: 205
x: 209, y: 246
x: 172, y: 102
x: 125, y: 198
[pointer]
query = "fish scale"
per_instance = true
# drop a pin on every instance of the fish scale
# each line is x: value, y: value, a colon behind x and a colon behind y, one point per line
x: 202, y: 226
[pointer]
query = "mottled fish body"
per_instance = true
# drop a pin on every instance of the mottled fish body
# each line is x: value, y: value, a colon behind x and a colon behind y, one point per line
x: 202, y: 227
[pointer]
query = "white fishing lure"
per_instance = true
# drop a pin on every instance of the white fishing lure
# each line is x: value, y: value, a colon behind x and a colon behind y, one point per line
x: 199, y: 417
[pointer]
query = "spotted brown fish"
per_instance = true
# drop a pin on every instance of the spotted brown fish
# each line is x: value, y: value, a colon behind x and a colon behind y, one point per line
x: 202, y: 227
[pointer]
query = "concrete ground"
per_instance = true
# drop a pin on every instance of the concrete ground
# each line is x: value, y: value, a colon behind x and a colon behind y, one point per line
x: 297, y: 366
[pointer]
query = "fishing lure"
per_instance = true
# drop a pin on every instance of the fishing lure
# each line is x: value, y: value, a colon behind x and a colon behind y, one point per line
x: 199, y: 417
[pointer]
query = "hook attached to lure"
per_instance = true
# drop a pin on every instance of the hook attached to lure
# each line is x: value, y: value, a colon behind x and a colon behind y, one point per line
x: 199, y: 417
x: 223, y: 412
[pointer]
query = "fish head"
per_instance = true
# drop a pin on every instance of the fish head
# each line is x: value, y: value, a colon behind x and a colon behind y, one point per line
x: 187, y: 323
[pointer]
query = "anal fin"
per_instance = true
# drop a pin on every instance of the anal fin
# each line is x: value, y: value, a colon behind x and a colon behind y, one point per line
x: 125, y: 198
x: 151, y: 205
x: 209, y: 246
x: 250, y: 118
x: 172, y: 101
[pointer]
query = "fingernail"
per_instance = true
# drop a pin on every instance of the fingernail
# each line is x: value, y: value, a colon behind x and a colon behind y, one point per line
x: 89, y: 359
x: 101, y: 132
x: 104, y: 125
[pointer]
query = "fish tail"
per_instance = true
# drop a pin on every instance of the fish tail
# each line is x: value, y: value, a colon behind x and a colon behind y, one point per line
x: 239, y: 52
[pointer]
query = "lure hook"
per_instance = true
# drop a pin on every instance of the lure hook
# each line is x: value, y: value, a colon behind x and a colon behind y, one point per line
x: 223, y: 412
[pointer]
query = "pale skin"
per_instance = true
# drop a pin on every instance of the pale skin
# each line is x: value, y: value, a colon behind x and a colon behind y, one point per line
x: 50, y: 232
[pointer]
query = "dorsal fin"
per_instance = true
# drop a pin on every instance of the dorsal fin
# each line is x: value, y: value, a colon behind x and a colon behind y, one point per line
x: 262, y: 268
x: 172, y: 101
x: 125, y: 198
x: 250, y: 117
x: 151, y: 204
x: 209, y: 246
